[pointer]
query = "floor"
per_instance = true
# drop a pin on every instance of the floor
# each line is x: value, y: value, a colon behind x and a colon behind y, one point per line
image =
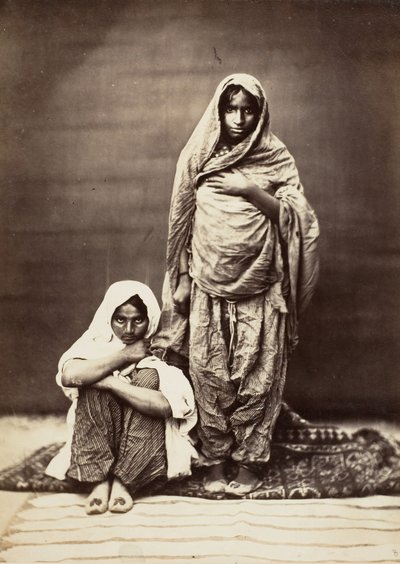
x: 20, y: 436
x: 55, y: 528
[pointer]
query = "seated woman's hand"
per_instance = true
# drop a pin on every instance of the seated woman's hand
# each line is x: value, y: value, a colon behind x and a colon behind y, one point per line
x: 231, y: 182
x: 108, y: 382
x: 105, y: 383
x: 136, y: 351
x: 181, y: 297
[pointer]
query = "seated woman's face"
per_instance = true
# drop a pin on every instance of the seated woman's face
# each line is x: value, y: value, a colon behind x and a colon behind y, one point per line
x: 239, y: 117
x: 129, y: 324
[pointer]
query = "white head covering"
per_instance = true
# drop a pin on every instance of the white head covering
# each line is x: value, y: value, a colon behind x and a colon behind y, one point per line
x: 99, y: 340
x: 116, y: 295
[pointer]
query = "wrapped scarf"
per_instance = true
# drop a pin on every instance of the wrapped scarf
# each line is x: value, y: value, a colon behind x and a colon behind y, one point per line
x: 265, y: 160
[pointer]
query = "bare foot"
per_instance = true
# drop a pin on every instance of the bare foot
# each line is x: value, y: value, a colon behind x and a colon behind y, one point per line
x: 245, y: 482
x: 120, y: 499
x: 97, y: 502
x: 215, y: 480
x: 246, y: 477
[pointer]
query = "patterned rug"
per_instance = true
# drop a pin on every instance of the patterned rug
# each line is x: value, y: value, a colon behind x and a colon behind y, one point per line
x: 307, y: 461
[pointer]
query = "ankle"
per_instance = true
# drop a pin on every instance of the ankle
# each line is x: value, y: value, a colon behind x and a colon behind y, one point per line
x: 246, y: 474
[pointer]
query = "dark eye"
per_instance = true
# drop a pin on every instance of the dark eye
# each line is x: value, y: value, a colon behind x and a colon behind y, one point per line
x: 139, y: 321
x: 249, y: 111
x: 119, y: 320
x: 229, y: 109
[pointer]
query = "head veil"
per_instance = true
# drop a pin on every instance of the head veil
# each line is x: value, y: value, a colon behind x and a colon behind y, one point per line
x: 261, y: 156
x: 99, y: 339
x: 207, y: 132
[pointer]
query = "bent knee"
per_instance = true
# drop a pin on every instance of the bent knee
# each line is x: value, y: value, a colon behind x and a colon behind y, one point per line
x: 146, y: 378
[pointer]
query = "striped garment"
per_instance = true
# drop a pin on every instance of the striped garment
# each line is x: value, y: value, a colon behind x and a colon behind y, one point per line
x: 110, y: 437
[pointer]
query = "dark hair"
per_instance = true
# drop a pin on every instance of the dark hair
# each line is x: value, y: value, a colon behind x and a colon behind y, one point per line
x: 231, y: 91
x: 137, y: 302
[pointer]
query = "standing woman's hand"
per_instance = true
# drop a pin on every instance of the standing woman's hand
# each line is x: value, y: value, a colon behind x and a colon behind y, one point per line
x: 232, y: 182
x: 235, y: 183
x: 181, y: 297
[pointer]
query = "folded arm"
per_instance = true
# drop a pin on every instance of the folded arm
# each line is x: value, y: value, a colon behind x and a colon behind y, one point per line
x: 148, y: 402
x: 78, y: 372
x: 235, y: 183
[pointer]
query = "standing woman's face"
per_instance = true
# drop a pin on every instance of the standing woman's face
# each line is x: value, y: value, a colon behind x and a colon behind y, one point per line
x: 239, y: 117
x: 129, y: 324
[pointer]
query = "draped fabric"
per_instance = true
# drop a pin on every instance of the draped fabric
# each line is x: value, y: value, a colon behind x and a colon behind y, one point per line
x: 251, y: 279
x: 264, y: 159
x: 238, y: 395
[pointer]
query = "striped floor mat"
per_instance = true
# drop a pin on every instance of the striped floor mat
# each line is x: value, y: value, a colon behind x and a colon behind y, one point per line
x: 163, y: 529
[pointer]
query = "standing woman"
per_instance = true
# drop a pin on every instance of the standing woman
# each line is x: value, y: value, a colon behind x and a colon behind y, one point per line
x: 241, y: 266
x: 130, y: 413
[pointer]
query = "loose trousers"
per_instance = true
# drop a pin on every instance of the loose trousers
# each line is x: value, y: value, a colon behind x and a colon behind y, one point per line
x: 113, y: 439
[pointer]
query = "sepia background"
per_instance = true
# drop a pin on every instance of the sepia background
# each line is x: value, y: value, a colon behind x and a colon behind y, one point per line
x: 97, y: 100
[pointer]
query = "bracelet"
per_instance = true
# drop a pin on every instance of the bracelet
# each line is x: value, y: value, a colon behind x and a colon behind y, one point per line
x: 183, y: 273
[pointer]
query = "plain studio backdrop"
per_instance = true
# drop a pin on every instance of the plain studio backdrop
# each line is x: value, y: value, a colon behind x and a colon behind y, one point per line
x: 97, y: 100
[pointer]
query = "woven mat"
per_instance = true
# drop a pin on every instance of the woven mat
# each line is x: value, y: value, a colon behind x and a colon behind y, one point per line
x: 307, y: 461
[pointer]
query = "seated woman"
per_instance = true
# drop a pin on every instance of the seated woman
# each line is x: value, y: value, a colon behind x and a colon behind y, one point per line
x: 131, y: 413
